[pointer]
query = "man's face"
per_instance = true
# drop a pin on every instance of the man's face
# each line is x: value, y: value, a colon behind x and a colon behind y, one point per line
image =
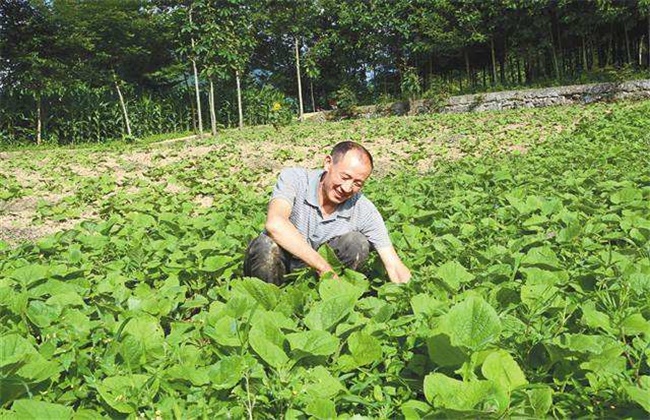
x: 345, y: 177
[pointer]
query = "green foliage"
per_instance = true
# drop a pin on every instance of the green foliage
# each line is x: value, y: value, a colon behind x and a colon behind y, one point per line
x: 346, y: 102
x: 529, y: 296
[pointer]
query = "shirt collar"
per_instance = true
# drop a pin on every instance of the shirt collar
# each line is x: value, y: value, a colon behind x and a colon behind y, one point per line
x: 343, y: 210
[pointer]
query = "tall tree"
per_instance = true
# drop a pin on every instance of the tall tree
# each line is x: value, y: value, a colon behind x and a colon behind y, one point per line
x: 33, y: 59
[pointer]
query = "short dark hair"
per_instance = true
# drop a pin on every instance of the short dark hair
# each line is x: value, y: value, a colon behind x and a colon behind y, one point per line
x: 344, y: 147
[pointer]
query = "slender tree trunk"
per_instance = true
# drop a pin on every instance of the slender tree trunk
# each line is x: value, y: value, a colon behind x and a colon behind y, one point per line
x: 313, y: 103
x: 239, y: 106
x: 467, y: 68
x: 189, y: 98
x: 494, y: 61
x: 584, y: 54
x: 39, y: 121
x: 213, y: 112
x: 628, y: 51
x: 197, y: 93
x: 641, y: 51
x: 503, y: 60
x: 300, y: 110
x: 556, y: 66
x: 127, y: 123
x: 648, y: 38
x: 196, y: 82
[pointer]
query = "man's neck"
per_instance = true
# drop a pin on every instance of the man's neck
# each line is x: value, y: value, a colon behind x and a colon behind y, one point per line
x: 326, y: 207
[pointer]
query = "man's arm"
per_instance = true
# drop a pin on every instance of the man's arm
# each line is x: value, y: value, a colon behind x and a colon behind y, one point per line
x: 397, y: 271
x: 284, y: 233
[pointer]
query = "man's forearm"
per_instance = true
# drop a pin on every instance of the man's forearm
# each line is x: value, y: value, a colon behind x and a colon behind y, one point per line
x: 286, y: 235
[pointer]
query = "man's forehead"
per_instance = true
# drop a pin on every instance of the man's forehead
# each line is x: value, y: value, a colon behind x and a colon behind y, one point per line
x: 352, y: 156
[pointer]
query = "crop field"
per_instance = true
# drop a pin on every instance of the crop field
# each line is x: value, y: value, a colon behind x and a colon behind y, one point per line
x: 527, y: 232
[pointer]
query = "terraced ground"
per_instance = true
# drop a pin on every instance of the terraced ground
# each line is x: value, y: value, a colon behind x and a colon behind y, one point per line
x: 527, y: 232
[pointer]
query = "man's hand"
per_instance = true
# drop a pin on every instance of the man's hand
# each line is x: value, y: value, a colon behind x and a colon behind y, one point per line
x: 397, y: 271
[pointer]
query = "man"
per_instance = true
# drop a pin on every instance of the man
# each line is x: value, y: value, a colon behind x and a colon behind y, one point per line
x: 311, y: 207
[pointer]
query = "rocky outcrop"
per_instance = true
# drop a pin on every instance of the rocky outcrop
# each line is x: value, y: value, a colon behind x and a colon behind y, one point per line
x: 563, y: 95
x: 512, y: 99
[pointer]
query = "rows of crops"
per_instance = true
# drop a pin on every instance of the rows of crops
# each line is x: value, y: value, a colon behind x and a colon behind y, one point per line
x: 529, y: 297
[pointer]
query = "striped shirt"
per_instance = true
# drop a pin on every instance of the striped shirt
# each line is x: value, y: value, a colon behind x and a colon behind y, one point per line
x: 299, y: 187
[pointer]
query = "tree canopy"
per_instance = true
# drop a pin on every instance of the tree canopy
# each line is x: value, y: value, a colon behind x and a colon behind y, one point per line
x: 55, y: 52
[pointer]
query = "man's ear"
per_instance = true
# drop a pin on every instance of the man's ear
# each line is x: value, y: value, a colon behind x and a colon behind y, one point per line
x: 328, y: 163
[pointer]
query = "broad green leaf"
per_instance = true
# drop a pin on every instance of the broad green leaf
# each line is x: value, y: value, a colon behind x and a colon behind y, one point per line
x: 66, y: 299
x: 37, y: 410
x: 42, y: 314
x: 542, y: 257
x: 640, y: 395
x: 472, y: 323
x: 635, y: 324
x: 444, y: 392
x: 13, y: 348
x: 264, y: 293
x: 541, y: 399
x: 119, y: 392
x: 321, y: 383
x: 267, y: 341
x: 453, y: 274
x: 330, y: 256
x: 414, y: 409
x: 626, y: 195
x: 443, y: 353
x: 227, y: 372
x: 315, y: 343
x: 426, y: 304
x: 142, y: 340
x: 365, y: 348
x: 216, y: 263
x: 502, y: 369
x: 640, y: 283
x: 327, y: 313
x: 29, y: 274
x: 331, y: 288
x: 592, y: 318
x: 321, y: 408
x: 224, y: 331
x: 583, y: 343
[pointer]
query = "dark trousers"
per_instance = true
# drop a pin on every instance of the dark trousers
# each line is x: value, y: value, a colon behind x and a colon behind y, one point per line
x: 267, y: 261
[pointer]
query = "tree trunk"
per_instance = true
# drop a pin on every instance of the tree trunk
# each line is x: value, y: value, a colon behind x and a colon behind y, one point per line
x: 39, y: 123
x: 213, y: 112
x: 503, y: 60
x: 125, y: 114
x: 648, y: 38
x: 197, y: 93
x: 189, y: 98
x: 584, y: 54
x: 467, y: 68
x: 196, y: 82
x: 556, y: 66
x: 300, y: 110
x: 641, y: 51
x: 239, y: 107
x: 628, y: 51
x: 313, y: 103
x: 494, y: 62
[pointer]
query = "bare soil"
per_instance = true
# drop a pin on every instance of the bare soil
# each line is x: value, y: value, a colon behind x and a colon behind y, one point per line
x: 20, y: 220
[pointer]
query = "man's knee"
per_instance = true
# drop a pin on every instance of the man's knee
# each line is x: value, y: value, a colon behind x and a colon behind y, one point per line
x: 351, y: 248
x: 264, y: 260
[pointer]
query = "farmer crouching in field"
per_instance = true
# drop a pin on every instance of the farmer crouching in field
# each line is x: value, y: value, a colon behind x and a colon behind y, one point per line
x: 309, y: 208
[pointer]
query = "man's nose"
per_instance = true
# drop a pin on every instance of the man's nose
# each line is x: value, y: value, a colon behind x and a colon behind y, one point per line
x: 347, y: 186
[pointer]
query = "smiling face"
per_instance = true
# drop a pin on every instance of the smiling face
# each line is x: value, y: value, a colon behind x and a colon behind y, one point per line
x: 343, y: 178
